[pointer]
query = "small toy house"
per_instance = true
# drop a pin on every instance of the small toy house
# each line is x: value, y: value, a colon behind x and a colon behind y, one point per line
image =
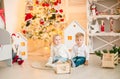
x: 69, y: 33
x: 5, y: 46
x: 20, y: 43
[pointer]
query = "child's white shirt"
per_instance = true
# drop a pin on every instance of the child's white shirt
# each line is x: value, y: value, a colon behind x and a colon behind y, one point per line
x: 81, y: 51
x: 59, y: 50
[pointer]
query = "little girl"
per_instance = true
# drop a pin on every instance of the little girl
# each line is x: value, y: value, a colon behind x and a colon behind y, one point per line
x: 59, y: 52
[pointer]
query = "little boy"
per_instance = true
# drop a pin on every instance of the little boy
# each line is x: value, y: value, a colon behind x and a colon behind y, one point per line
x: 80, y: 51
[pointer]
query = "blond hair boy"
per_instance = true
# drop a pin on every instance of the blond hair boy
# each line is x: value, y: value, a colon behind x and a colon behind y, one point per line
x: 80, y: 51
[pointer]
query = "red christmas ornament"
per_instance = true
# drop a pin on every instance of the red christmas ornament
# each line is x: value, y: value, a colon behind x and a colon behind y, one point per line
x: 47, y: 5
x: 61, y: 10
x: 43, y: 4
x: 56, y: 11
x: 55, y: 3
x: 28, y: 16
x: 24, y: 31
x: 102, y: 28
x: 62, y: 20
x: 37, y: 2
x: 41, y: 22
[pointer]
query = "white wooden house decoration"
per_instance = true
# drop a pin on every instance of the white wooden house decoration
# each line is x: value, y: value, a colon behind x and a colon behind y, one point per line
x: 20, y: 43
x: 5, y: 47
x: 69, y: 33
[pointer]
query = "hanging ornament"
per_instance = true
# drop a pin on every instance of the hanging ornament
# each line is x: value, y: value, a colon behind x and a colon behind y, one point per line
x: 61, y: 10
x: 111, y: 24
x: 56, y: 3
x: 37, y: 2
x: 102, y: 26
x: 56, y: 11
x: 42, y: 21
x: 93, y: 9
x: 47, y: 4
x: 61, y: 20
x: 28, y: 16
x: 95, y: 28
x: 53, y: 10
x: 24, y: 31
x: 28, y: 23
x: 43, y: 4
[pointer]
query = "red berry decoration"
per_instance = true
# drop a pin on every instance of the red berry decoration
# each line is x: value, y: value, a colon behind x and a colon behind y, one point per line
x: 62, y: 20
x: 24, y: 31
x: 61, y: 10
x: 55, y: 3
x: 47, y: 5
x: 43, y: 4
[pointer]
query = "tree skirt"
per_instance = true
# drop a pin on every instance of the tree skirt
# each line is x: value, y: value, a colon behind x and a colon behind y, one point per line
x: 40, y: 65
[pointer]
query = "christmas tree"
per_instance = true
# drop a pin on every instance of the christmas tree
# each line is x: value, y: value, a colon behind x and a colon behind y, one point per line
x: 43, y: 18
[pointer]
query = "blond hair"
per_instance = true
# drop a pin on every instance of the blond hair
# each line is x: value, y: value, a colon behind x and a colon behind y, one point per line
x: 55, y: 35
x: 79, y: 34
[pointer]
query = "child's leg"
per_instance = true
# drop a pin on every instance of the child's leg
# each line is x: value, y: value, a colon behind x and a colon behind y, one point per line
x: 73, y: 61
x: 59, y: 59
x: 63, y: 59
x: 80, y: 61
x: 55, y: 59
x: 13, y: 54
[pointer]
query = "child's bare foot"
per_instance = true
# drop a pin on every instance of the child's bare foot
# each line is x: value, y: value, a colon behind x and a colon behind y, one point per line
x: 86, y: 63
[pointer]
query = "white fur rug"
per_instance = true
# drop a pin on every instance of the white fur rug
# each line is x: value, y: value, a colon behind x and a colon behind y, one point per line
x: 40, y: 65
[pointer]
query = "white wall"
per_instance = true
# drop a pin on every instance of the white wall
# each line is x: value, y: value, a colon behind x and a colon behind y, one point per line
x: 14, y: 14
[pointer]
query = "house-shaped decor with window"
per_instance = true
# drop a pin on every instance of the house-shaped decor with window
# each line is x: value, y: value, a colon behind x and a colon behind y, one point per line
x: 69, y: 33
x: 20, y: 43
x: 5, y: 46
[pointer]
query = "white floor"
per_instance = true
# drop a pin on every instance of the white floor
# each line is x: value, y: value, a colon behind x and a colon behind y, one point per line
x: 25, y: 71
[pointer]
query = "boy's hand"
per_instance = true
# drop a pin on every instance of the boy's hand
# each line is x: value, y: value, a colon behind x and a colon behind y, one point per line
x: 86, y: 62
